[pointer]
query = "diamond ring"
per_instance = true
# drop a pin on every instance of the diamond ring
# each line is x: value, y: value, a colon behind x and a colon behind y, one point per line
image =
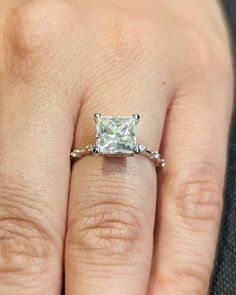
x: 116, y: 137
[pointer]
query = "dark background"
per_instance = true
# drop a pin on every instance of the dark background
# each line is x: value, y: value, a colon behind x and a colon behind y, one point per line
x: 224, y: 276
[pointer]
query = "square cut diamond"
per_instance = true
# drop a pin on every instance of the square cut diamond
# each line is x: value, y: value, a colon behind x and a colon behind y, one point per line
x: 116, y: 135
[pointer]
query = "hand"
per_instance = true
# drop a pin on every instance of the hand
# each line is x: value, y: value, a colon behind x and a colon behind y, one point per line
x: 62, y: 61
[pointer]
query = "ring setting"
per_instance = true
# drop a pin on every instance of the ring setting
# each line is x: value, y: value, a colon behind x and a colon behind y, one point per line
x: 116, y: 137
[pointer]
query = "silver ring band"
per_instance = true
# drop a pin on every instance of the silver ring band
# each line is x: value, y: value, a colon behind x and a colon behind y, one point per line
x: 140, y: 150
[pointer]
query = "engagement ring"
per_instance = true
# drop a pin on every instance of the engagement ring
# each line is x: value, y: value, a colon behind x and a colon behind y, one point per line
x: 116, y: 137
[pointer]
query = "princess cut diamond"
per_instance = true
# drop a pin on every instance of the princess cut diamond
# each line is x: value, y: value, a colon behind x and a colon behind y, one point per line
x: 116, y: 136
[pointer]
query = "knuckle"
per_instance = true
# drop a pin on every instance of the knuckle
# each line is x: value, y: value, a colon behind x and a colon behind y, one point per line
x: 26, y: 238
x: 186, y: 280
x: 108, y: 225
x: 198, y: 197
x: 208, y: 54
x: 208, y: 65
x: 34, y: 26
x: 193, y: 281
x: 132, y: 39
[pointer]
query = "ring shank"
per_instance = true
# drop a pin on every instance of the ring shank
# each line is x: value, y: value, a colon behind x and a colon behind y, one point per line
x: 154, y: 156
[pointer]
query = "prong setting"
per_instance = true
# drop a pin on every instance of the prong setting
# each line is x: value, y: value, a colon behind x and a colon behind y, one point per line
x: 96, y: 150
x: 96, y: 116
x: 137, y: 149
x: 136, y: 117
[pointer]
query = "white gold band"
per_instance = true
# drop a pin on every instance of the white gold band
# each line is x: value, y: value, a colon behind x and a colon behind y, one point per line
x: 139, y: 150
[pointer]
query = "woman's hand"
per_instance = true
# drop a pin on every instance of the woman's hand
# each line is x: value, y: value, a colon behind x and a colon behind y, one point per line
x: 62, y: 61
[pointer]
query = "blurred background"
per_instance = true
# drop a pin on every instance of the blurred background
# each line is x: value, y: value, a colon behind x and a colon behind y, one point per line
x: 224, y: 275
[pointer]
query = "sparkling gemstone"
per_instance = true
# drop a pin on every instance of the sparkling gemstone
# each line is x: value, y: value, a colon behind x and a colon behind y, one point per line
x: 116, y: 135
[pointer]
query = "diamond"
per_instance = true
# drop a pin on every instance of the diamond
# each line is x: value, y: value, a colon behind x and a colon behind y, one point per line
x: 116, y: 136
x: 142, y: 148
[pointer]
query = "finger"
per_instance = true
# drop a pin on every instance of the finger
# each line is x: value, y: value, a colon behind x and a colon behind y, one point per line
x: 36, y: 132
x: 112, y: 201
x: 191, y: 186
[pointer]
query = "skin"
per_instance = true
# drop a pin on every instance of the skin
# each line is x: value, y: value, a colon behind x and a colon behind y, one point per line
x: 112, y: 226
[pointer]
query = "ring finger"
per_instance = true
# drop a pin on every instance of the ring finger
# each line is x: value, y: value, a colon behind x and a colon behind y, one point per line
x: 112, y: 201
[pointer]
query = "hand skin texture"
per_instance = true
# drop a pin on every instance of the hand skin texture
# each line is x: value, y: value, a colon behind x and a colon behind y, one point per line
x: 111, y: 226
